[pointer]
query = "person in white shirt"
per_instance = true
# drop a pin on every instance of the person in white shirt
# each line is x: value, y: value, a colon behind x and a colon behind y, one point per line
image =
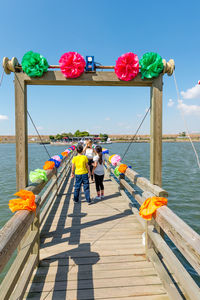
x: 89, y: 152
x: 98, y: 171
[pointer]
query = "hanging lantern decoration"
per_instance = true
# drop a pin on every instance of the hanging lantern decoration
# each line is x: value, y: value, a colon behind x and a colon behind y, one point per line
x: 127, y: 66
x: 34, y: 64
x: 151, y: 65
x: 72, y: 64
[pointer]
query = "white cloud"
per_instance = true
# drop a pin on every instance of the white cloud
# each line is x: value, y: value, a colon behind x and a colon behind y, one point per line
x: 192, y: 93
x: 188, y: 109
x: 3, y: 117
x: 107, y: 119
x: 170, y: 103
x: 139, y: 115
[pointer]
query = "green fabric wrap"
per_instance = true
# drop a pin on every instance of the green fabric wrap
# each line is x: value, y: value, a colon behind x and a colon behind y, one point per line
x: 34, y: 64
x: 38, y: 176
x: 116, y: 171
x: 151, y: 65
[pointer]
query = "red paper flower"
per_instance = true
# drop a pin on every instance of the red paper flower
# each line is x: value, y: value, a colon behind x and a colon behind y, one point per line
x: 127, y: 66
x: 72, y: 64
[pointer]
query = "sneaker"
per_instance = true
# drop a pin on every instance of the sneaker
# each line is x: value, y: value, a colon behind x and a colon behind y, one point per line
x: 97, y: 198
x: 102, y: 196
x: 75, y: 201
x: 89, y: 203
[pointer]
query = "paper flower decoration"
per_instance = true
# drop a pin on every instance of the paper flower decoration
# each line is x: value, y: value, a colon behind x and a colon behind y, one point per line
x: 57, y: 163
x: 61, y: 156
x: 73, y: 147
x: 38, y: 176
x: 72, y: 64
x: 48, y: 165
x: 150, y: 205
x: 110, y: 157
x: 34, y: 64
x: 64, y: 154
x: 26, y: 201
x: 56, y: 157
x: 151, y: 65
x: 127, y: 66
x: 122, y: 168
x: 116, y: 171
x: 105, y: 151
x: 115, y: 159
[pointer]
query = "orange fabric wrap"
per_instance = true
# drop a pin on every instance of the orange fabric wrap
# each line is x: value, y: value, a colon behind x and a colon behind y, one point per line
x: 150, y: 205
x: 122, y: 168
x: 26, y: 201
x: 48, y: 165
x: 64, y: 154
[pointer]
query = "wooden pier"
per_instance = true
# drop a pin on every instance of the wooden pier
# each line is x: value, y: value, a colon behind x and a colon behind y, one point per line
x: 79, y: 251
x: 93, y: 251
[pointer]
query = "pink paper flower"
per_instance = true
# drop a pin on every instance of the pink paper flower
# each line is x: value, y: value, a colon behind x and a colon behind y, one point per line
x: 127, y: 66
x: 56, y: 157
x: 72, y: 64
x: 115, y: 159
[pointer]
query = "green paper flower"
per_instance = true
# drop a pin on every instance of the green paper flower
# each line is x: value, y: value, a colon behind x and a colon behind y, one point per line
x: 151, y: 65
x: 116, y: 171
x: 34, y: 64
x: 38, y: 176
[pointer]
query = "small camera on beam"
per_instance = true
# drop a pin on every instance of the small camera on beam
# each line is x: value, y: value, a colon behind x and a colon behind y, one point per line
x: 90, y: 64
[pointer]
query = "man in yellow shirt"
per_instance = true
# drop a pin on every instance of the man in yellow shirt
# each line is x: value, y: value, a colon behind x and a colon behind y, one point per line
x: 81, y: 169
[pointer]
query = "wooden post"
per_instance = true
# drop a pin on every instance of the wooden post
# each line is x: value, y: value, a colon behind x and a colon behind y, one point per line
x: 21, y: 133
x: 156, y: 132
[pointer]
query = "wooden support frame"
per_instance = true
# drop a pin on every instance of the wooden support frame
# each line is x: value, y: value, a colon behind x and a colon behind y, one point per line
x: 86, y: 79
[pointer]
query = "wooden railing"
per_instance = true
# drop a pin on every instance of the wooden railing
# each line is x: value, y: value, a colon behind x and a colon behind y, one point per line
x: 183, y: 236
x: 22, y: 232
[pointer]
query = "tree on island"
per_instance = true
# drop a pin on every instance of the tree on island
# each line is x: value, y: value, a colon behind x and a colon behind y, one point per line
x: 103, y: 137
x: 79, y: 133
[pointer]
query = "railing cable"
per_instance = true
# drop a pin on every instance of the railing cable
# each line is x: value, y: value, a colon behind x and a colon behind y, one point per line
x: 132, y: 140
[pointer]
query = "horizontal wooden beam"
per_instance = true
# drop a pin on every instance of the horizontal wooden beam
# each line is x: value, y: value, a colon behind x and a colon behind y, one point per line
x: 86, y: 79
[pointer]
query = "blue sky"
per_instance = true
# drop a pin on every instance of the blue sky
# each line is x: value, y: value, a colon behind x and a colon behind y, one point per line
x: 105, y: 29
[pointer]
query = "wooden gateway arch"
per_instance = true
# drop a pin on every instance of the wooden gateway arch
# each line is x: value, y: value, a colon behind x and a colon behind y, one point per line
x: 98, y: 78
x: 77, y: 251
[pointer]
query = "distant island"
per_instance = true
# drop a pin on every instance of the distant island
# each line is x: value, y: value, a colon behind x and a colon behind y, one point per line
x: 116, y: 138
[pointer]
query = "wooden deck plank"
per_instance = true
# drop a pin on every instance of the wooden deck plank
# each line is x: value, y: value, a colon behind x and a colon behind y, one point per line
x: 89, y: 252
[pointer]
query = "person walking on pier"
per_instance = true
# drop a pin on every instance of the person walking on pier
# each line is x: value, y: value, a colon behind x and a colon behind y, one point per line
x: 81, y: 169
x: 98, y: 171
x: 89, y: 152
